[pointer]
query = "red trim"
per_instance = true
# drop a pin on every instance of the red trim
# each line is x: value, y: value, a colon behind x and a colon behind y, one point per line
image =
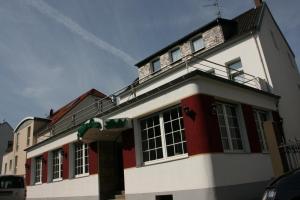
x: 45, y: 167
x: 65, y: 174
x: 251, y: 128
x: 201, y: 125
x: 28, y: 171
x: 128, y: 149
x: 93, y: 161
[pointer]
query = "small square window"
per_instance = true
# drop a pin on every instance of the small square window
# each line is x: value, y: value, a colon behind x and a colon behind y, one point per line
x: 197, y: 44
x: 155, y: 65
x: 175, y: 55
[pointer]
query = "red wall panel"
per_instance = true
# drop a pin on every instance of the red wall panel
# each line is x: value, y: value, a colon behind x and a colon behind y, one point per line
x: 201, y: 124
x: 128, y: 152
x: 65, y: 174
x: 45, y: 167
x: 93, y: 161
x: 28, y: 171
x: 251, y: 128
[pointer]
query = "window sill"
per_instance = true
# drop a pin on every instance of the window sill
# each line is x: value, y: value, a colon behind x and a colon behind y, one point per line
x: 38, y: 183
x: 82, y: 175
x: 57, y: 180
x: 164, y: 160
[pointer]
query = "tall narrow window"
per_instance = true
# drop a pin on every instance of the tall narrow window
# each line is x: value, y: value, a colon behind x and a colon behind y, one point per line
x: 260, y: 117
x: 16, y: 164
x: 175, y: 55
x: 5, y: 168
x: 229, y: 127
x: 57, y: 164
x: 38, y: 170
x: 163, y: 135
x: 197, y: 44
x: 235, y: 71
x: 28, y: 135
x: 155, y: 65
x: 81, y: 159
x: 17, y: 141
x: 10, y: 165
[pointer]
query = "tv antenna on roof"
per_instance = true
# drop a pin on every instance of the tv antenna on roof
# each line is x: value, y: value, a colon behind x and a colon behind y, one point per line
x: 217, y: 6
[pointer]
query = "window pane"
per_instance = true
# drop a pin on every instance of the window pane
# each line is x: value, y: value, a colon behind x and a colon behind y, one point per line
x: 175, y: 55
x: 235, y: 65
x: 155, y: 65
x: 198, y: 44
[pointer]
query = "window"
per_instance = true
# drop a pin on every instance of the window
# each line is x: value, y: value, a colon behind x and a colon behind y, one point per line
x: 17, y: 141
x: 175, y: 55
x: 81, y: 159
x: 155, y: 65
x: 38, y: 170
x: 57, y: 164
x: 229, y: 127
x: 236, y: 72
x: 10, y: 164
x: 197, y: 44
x: 28, y: 135
x: 16, y: 163
x: 5, y: 168
x: 163, y: 135
x: 260, y: 117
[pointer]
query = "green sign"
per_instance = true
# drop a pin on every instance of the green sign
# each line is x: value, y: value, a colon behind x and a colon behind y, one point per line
x: 115, y: 123
x: 84, y: 127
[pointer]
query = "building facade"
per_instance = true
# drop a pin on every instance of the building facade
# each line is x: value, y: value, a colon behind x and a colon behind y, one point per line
x: 6, y: 137
x: 191, y: 127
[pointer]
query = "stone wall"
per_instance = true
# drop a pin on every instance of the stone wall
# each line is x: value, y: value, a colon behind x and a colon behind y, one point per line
x: 211, y: 38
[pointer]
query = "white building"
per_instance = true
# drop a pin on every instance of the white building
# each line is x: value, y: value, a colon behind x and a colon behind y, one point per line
x: 189, y: 128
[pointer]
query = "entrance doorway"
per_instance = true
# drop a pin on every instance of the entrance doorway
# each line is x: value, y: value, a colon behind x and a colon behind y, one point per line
x: 111, y: 173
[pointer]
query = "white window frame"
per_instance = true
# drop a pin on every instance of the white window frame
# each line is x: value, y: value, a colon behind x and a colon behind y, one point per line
x: 260, y: 130
x: 59, y: 164
x: 237, y: 75
x: 152, y: 65
x: 171, y: 55
x: 38, y: 170
x: 231, y: 150
x: 165, y: 157
x: 85, y: 164
x: 199, y: 37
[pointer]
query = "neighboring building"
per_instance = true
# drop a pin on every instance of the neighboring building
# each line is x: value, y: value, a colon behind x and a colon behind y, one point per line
x: 191, y: 127
x: 6, y: 135
x: 15, y: 157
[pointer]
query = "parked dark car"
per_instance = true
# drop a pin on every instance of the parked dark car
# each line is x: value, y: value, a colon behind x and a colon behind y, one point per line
x: 12, y: 187
x: 285, y: 187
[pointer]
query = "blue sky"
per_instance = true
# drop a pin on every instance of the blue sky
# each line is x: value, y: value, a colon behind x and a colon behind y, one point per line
x: 52, y: 51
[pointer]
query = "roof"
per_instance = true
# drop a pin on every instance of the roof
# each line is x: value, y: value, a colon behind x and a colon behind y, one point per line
x: 57, y: 115
x: 244, y: 23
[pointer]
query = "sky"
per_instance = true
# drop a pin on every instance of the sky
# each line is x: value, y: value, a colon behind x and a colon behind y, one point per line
x: 51, y: 51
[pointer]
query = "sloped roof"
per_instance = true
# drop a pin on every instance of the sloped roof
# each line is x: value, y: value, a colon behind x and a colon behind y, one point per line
x: 245, y: 22
x: 57, y: 115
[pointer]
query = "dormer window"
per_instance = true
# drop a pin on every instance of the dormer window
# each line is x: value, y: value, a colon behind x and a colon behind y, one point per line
x: 197, y: 44
x: 155, y: 65
x: 175, y: 54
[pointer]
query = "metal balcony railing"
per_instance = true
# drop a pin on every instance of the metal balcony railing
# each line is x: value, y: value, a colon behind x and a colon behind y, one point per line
x: 105, y: 104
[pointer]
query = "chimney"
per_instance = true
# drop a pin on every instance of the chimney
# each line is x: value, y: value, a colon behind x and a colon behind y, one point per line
x: 257, y: 3
x: 51, y: 113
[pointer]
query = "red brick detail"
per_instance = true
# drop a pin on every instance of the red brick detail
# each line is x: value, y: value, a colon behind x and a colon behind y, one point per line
x: 128, y: 152
x: 65, y: 174
x: 28, y: 171
x: 45, y: 167
x: 201, y: 124
x: 251, y: 128
x: 93, y: 161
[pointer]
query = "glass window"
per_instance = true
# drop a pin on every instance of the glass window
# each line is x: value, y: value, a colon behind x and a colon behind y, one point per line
x: 260, y: 117
x: 163, y: 135
x: 10, y: 164
x: 5, y: 168
x: 28, y: 135
x: 235, y: 71
x: 16, y: 163
x: 155, y: 65
x: 175, y: 55
x: 229, y: 127
x: 57, y: 164
x: 81, y: 159
x: 197, y: 44
x: 17, y: 141
x: 38, y: 170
